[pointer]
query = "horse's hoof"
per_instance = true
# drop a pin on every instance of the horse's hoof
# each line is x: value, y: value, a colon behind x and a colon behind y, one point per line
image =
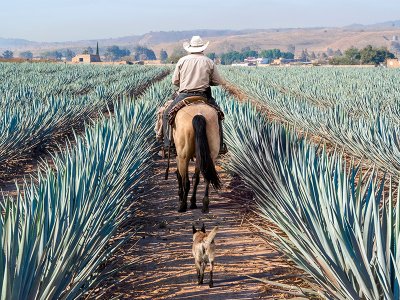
x: 205, y: 210
x: 182, y: 209
x: 193, y: 206
x: 211, y: 284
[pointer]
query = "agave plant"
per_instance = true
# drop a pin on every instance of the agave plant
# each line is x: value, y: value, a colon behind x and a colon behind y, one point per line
x: 56, y: 232
x: 337, y: 224
x: 40, y: 104
x: 358, y: 113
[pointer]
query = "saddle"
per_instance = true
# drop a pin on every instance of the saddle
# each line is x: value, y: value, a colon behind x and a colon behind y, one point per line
x: 189, y: 101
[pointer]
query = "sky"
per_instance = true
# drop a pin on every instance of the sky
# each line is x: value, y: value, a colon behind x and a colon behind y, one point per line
x: 70, y: 20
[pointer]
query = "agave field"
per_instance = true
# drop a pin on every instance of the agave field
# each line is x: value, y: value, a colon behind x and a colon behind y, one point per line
x: 337, y: 222
x: 354, y: 109
x: 39, y: 103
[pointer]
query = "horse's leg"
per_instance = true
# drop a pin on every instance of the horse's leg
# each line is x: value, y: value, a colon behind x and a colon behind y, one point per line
x: 180, y: 189
x: 183, y: 165
x: 206, y: 201
x: 196, y: 178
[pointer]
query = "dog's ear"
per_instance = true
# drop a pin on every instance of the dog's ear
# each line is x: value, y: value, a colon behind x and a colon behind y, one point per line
x: 194, y: 229
x: 203, y: 228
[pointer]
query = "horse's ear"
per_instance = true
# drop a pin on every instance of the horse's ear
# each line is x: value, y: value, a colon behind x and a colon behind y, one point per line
x: 194, y: 229
x: 203, y: 228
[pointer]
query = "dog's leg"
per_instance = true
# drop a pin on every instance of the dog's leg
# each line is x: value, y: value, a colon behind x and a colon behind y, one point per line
x: 196, y: 178
x: 206, y: 200
x: 202, y: 269
x: 211, y: 274
x: 198, y: 267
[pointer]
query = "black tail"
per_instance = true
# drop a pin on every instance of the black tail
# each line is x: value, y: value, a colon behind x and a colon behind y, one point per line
x: 203, y: 157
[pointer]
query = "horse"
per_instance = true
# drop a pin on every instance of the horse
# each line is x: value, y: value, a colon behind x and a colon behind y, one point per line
x: 196, y: 135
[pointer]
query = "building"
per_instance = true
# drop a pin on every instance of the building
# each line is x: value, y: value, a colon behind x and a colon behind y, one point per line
x: 393, y: 63
x: 87, y: 58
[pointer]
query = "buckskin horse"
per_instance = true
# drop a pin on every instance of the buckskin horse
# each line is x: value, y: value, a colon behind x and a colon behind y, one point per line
x: 196, y: 135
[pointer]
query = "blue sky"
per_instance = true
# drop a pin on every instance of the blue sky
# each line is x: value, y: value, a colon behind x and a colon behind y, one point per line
x: 62, y: 20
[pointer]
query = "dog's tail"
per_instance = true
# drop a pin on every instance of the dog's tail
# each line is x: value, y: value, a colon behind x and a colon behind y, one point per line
x: 211, y: 236
x: 203, y: 156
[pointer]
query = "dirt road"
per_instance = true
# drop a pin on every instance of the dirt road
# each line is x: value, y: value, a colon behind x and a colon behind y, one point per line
x: 160, y: 253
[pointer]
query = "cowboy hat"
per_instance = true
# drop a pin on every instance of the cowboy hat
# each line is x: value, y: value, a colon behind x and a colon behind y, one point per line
x: 196, y: 45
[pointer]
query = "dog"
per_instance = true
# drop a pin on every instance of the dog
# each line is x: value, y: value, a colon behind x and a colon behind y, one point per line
x: 204, y: 252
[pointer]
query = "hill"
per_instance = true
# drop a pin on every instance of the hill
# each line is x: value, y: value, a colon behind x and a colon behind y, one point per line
x: 313, y: 39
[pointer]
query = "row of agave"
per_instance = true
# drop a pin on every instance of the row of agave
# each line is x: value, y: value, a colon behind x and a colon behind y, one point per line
x: 56, y: 232
x: 328, y: 87
x: 339, y: 225
x: 42, y: 80
x: 30, y: 122
x: 374, y: 137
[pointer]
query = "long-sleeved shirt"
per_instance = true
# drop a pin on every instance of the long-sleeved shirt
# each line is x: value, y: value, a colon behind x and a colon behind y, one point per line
x: 195, y: 73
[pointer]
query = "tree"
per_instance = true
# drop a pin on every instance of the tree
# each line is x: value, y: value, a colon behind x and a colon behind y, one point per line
x: 8, y: 54
x: 68, y: 54
x: 52, y: 55
x: 330, y: 52
x: 177, y: 54
x: 89, y: 50
x: 144, y: 53
x: 353, y: 54
x: 212, y: 55
x: 26, y: 55
x: 163, y: 55
x: 304, y: 56
x: 231, y: 57
x: 291, y: 48
x: 371, y: 55
x: 247, y: 52
x: 114, y: 53
x: 338, y: 53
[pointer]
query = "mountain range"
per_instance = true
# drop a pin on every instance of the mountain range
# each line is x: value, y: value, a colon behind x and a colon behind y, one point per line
x: 313, y: 39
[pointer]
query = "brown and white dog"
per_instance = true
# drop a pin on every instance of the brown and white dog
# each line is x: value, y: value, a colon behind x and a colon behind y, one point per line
x: 204, y: 252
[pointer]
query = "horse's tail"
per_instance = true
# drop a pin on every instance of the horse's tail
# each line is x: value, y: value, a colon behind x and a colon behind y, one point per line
x: 203, y: 156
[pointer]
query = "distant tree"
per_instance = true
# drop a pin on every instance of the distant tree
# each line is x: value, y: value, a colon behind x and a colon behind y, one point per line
x: 353, y: 54
x: 212, y: 55
x: 26, y: 55
x: 291, y: 48
x: 338, y: 53
x: 231, y: 57
x: 143, y: 53
x: 247, y: 52
x: 304, y: 56
x: 330, y: 52
x: 395, y: 47
x: 8, y: 54
x: 312, y: 55
x: 371, y: 55
x: 163, y: 55
x: 176, y: 55
x: 52, y: 55
x: 68, y: 54
x: 89, y: 50
x: 114, y: 53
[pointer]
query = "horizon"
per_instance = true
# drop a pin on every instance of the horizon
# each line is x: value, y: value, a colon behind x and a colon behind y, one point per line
x: 70, y: 21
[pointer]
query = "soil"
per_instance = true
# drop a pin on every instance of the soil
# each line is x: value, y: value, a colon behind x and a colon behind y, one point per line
x: 157, y: 262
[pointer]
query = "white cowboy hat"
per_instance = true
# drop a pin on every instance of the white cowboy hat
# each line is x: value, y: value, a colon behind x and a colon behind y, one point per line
x: 196, y: 45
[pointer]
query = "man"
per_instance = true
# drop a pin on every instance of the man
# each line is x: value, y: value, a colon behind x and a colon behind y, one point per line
x: 194, y: 74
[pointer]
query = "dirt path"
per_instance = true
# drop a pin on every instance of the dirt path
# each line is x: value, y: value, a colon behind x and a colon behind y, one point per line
x: 160, y: 254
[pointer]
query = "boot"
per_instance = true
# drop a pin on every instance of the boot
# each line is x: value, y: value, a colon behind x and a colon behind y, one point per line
x: 222, y: 148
